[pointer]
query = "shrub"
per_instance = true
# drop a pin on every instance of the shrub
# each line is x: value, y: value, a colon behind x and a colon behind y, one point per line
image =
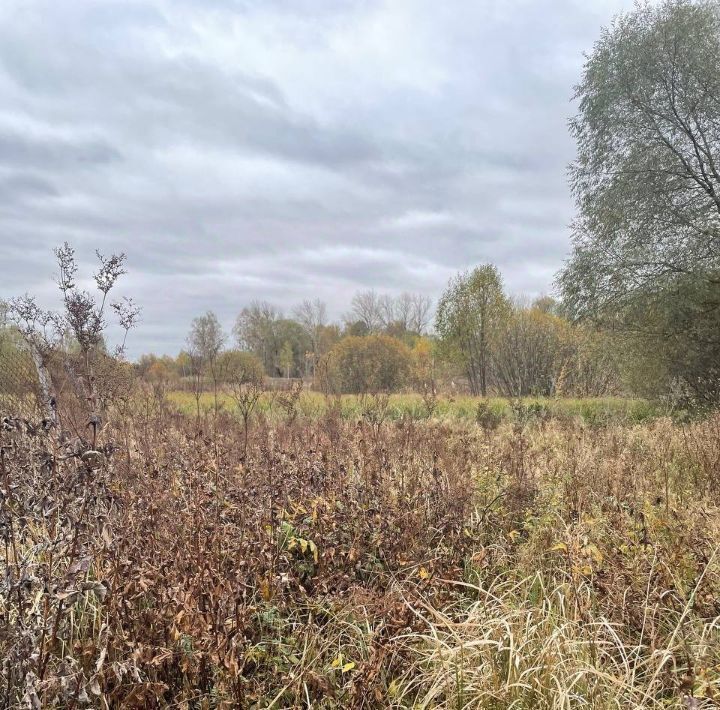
x: 375, y: 363
x: 238, y: 367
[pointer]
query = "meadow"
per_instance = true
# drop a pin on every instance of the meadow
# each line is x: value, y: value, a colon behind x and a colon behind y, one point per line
x: 534, y: 559
x: 449, y: 408
x: 197, y: 531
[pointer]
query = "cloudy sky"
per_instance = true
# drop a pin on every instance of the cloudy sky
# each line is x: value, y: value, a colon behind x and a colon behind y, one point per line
x: 286, y: 149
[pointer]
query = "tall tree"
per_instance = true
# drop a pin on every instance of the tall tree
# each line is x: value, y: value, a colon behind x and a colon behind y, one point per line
x: 312, y: 316
x: 420, y: 312
x: 205, y: 341
x: 256, y: 331
x: 470, y: 314
x: 408, y: 313
x: 647, y: 184
x: 367, y: 308
x: 293, y: 344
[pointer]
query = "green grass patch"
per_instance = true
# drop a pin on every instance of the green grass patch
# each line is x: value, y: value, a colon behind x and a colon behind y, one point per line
x: 312, y: 405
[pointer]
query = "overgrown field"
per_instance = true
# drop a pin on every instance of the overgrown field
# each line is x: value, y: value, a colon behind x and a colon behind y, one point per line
x: 594, y: 410
x: 525, y: 562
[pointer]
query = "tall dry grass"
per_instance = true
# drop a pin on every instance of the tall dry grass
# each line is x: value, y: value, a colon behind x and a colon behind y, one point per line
x: 527, y: 562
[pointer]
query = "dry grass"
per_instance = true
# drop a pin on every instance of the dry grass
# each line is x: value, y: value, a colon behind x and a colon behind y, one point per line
x: 535, y: 563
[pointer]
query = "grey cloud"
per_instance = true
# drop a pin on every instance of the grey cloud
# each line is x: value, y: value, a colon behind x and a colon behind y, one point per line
x: 170, y: 100
x: 25, y: 185
x: 241, y: 149
x: 53, y: 153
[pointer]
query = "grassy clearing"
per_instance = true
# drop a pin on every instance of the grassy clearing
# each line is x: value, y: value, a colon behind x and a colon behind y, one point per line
x: 463, y: 408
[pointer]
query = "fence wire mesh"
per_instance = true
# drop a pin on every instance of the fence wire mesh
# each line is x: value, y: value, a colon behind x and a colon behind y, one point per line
x: 19, y: 383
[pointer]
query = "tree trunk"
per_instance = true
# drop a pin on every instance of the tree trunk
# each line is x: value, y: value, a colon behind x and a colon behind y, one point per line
x: 47, y: 390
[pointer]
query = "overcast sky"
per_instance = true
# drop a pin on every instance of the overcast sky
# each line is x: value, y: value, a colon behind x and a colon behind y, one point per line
x: 287, y: 149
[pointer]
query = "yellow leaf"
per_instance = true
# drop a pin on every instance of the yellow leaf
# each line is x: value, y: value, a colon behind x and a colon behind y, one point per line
x: 423, y: 573
x: 348, y: 667
x: 593, y: 551
x: 558, y: 547
x: 514, y: 535
x: 337, y: 662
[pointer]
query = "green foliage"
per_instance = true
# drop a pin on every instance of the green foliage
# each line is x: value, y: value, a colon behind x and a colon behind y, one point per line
x: 314, y: 405
x: 593, y: 366
x: 646, y: 257
x: 16, y: 367
x: 357, y: 329
x: 531, y: 351
x: 469, y: 317
x: 262, y: 330
x: 206, y: 338
x: 238, y: 367
x: 286, y: 359
x: 487, y: 417
x: 376, y: 363
x: 162, y: 368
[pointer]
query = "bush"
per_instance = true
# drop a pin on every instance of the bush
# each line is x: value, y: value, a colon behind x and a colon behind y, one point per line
x: 238, y: 367
x: 375, y: 363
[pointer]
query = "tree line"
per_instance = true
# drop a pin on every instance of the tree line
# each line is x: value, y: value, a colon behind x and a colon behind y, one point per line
x: 477, y: 340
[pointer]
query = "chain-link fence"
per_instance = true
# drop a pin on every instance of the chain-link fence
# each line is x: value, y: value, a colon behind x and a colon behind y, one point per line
x: 67, y: 392
x: 19, y: 383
